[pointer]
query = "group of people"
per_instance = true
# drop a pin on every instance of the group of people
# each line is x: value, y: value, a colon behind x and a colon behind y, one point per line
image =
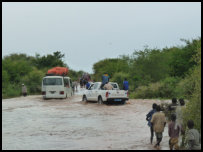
x: 84, y: 80
x: 107, y: 86
x: 157, y: 122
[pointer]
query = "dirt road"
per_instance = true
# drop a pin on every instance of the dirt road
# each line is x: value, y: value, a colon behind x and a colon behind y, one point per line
x: 33, y: 123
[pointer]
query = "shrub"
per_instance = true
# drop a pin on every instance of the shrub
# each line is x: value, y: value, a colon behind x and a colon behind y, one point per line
x: 167, y: 89
x: 163, y: 89
x: 140, y: 92
x: 12, y: 90
x: 154, y: 89
x: 33, y: 81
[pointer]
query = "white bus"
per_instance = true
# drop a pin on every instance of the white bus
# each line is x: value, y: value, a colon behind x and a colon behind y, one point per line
x: 56, y: 87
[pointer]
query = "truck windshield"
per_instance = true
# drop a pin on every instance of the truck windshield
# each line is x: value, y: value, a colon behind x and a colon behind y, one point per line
x: 52, y: 81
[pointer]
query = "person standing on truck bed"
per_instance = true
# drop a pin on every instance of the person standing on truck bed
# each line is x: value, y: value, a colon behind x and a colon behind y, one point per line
x: 125, y: 84
x: 105, y: 79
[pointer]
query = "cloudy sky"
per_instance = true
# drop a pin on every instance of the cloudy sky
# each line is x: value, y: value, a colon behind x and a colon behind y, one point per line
x: 87, y: 32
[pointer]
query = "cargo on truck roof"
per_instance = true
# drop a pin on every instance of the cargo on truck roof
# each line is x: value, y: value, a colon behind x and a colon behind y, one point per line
x: 60, y: 71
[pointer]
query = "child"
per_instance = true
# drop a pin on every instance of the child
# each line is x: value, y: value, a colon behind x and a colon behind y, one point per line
x: 158, y: 122
x: 179, y: 120
x: 192, y: 137
x: 149, y: 117
x: 173, y: 132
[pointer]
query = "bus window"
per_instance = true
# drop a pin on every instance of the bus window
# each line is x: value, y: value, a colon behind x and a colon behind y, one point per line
x: 52, y: 81
x: 66, y: 83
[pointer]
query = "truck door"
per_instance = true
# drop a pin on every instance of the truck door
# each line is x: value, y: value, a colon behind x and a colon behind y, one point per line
x: 89, y: 92
x: 95, y: 92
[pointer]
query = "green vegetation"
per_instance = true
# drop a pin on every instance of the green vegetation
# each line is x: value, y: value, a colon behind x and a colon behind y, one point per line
x: 153, y: 73
x: 193, y: 110
x: 20, y: 68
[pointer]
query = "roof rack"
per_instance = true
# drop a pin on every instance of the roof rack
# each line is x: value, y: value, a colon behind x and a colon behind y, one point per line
x: 51, y: 74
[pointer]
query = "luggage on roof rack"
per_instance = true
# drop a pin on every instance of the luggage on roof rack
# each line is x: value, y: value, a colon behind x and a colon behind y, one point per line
x: 59, y: 71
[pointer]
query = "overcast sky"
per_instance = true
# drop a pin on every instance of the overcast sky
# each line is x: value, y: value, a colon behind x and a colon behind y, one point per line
x: 91, y: 31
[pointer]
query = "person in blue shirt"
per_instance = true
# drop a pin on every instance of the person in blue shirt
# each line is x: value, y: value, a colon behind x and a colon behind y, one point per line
x: 125, y: 85
x: 105, y: 79
x: 87, y: 85
x: 149, y: 117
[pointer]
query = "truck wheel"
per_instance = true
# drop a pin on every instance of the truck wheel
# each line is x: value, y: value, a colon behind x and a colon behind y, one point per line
x: 84, y: 98
x: 100, y: 101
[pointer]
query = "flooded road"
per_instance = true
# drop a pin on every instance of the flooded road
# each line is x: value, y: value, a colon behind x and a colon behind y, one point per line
x: 33, y: 123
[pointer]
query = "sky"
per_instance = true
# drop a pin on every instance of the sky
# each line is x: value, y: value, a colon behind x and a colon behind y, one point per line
x: 87, y: 32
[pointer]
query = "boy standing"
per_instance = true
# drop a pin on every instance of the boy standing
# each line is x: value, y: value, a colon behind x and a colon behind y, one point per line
x: 149, y: 117
x: 173, y: 132
x: 192, y: 137
x: 158, y: 122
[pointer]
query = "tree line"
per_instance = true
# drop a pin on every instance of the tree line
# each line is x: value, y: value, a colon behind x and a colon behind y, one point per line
x: 18, y: 69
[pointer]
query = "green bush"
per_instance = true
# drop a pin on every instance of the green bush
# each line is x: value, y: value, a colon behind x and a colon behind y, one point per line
x: 11, y: 90
x: 140, y: 92
x: 154, y: 89
x: 163, y: 89
x: 167, y: 89
x: 33, y: 81
x: 184, y: 88
x: 5, y: 79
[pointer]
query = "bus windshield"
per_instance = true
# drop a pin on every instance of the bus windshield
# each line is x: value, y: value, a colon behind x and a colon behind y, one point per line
x: 52, y: 81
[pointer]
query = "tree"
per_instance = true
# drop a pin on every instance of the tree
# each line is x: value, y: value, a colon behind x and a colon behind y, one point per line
x: 110, y: 66
x: 50, y: 60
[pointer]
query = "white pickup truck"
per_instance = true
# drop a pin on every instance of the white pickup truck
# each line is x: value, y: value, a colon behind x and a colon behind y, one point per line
x: 95, y: 93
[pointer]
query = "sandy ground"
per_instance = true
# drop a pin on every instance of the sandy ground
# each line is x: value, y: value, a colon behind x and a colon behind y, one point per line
x: 33, y: 123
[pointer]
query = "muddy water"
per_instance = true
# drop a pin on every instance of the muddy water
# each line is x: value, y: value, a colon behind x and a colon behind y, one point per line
x: 33, y: 123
